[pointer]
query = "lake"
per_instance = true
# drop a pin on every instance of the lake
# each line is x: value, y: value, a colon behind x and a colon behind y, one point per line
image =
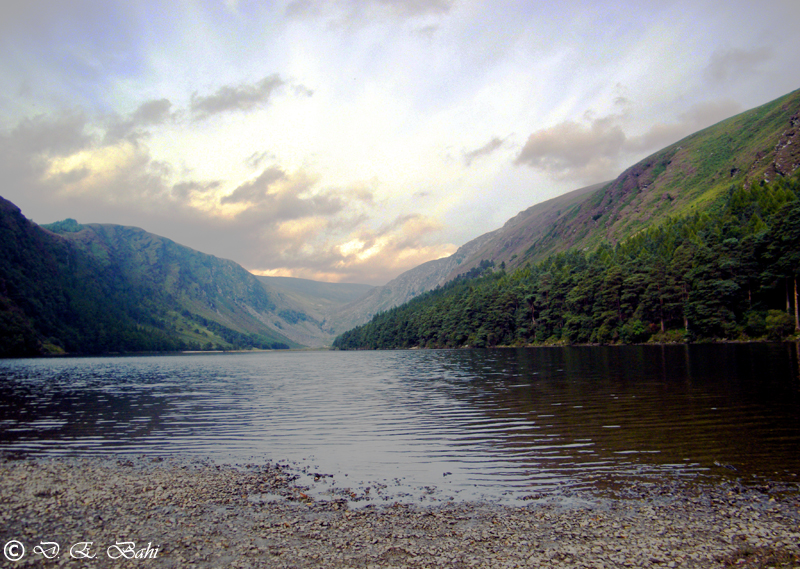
x: 500, y: 424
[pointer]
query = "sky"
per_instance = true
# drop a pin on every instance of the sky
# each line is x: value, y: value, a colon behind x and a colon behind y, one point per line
x: 351, y: 140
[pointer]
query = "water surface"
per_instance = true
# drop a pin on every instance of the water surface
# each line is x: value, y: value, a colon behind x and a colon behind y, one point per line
x: 499, y: 424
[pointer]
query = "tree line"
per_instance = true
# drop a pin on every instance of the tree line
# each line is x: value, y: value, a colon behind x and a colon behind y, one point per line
x: 727, y: 273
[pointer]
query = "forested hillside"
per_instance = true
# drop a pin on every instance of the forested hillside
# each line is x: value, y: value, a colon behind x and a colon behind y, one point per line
x: 99, y: 289
x: 728, y: 272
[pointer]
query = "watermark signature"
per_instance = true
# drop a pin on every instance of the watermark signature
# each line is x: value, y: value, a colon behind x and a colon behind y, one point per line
x: 14, y: 550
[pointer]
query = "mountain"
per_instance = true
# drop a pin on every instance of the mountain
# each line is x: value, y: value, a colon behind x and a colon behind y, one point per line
x: 99, y: 288
x: 699, y: 237
x: 512, y: 242
x: 728, y: 273
x: 685, y: 177
x: 761, y: 144
x: 311, y: 310
x: 409, y: 284
x: 96, y: 288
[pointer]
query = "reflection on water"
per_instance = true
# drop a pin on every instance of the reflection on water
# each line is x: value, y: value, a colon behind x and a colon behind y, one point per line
x: 495, y: 423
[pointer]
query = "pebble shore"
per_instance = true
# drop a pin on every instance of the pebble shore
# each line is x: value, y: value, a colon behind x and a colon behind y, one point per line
x: 172, y: 513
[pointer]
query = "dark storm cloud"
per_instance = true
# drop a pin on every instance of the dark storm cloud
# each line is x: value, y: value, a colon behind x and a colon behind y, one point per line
x: 244, y: 97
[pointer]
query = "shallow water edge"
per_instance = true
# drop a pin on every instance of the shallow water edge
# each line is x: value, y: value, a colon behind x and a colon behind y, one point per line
x: 209, y: 515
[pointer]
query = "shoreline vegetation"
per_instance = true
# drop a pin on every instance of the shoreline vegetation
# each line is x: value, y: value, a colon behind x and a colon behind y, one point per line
x: 561, y: 344
x: 794, y: 339
x: 199, y: 514
x: 729, y: 273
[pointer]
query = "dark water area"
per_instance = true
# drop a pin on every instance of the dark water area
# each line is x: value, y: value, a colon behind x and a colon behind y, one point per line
x: 499, y: 424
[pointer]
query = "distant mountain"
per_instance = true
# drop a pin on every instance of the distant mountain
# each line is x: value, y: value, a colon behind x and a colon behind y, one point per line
x: 409, y: 284
x: 95, y: 288
x: 311, y: 310
x: 321, y: 294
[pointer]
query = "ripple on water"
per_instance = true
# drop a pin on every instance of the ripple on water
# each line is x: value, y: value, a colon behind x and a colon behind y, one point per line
x: 498, y: 424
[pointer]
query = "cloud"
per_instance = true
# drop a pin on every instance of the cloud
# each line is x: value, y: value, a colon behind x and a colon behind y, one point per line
x: 596, y: 152
x: 149, y: 113
x: 574, y: 151
x: 26, y: 150
x: 412, y: 8
x: 696, y: 118
x: 256, y: 159
x: 183, y: 190
x: 244, y: 97
x: 484, y: 150
x: 365, y: 255
x: 291, y: 227
x: 152, y: 112
x: 257, y: 190
x: 275, y: 196
x: 427, y: 32
x: 302, y: 9
x: 50, y: 135
x: 358, y: 10
x: 279, y: 220
x: 726, y: 66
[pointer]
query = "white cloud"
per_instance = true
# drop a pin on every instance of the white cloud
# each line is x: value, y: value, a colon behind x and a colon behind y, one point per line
x: 351, y: 139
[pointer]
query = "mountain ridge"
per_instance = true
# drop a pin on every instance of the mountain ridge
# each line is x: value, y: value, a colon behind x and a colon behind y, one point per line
x: 101, y: 288
x: 406, y: 286
x: 182, y: 297
x: 757, y: 144
x: 683, y: 179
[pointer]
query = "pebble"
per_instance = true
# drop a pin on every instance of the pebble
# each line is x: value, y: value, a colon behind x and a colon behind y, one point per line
x: 201, y: 514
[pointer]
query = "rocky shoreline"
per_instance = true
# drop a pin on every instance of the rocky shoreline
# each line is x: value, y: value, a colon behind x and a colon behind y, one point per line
x: 120, y: 512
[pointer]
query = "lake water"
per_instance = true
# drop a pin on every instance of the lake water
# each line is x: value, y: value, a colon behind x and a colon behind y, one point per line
x: 500, y: 424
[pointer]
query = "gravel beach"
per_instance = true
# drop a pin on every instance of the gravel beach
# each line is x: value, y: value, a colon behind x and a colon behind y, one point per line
x: 124, y: 512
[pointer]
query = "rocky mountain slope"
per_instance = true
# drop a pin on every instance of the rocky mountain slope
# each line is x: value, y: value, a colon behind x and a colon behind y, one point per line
x: 512, y: 241
x: 757, y: 145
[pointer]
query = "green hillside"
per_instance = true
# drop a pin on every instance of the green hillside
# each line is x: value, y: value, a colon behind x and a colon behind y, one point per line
x: 684, y: 178
x: 729, y: 273
x: 697, y: 242
x: 105, y: 288
x: 314, y: 312
x: 693, y: 173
